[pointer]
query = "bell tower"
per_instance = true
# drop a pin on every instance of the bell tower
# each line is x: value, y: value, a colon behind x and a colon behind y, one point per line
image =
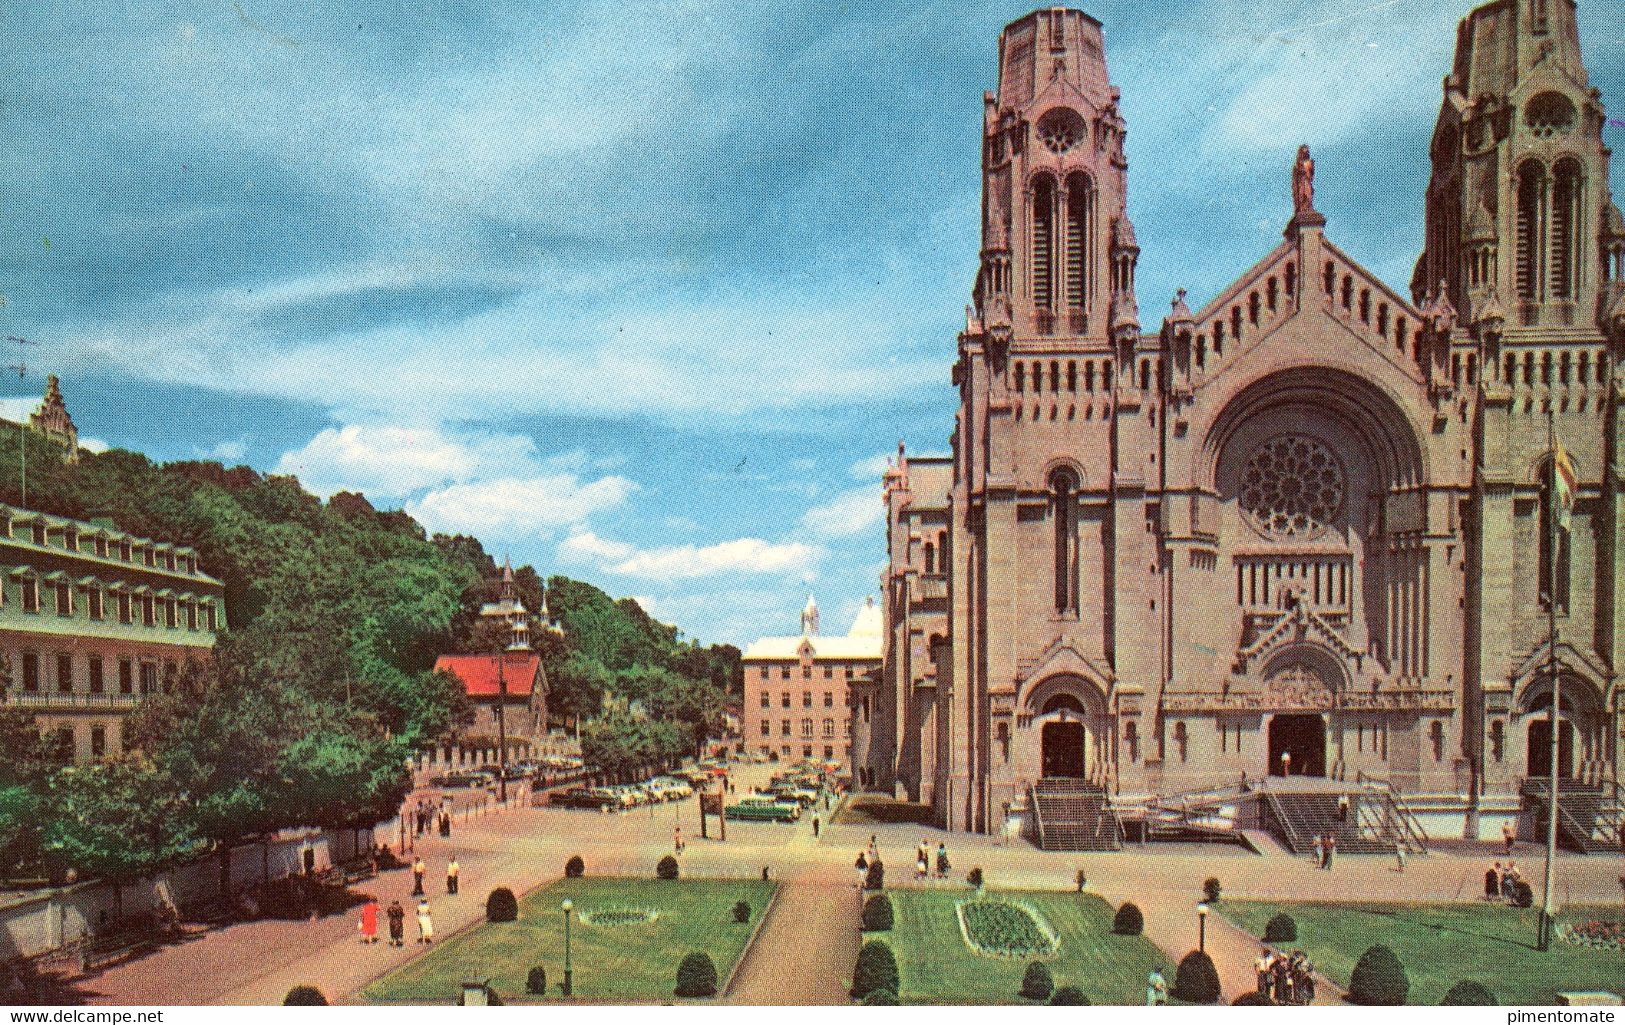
x: 1057, y: 252
x: 1521, y: 225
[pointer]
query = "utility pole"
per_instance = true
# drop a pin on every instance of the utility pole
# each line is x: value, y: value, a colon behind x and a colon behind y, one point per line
x: 1552, y: 538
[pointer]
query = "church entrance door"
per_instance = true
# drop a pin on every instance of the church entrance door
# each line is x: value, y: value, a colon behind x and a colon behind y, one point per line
x: 1539, y: 755
x: 1303, y: 737
x: 1063, y: 749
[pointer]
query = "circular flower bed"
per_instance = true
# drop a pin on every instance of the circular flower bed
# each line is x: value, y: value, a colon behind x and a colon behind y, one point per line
x: 1598, y: 934
x: 999, y: 928
x: 618, y: 916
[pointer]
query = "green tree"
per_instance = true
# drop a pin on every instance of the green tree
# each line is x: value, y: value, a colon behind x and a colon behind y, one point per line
x: 115, y: 820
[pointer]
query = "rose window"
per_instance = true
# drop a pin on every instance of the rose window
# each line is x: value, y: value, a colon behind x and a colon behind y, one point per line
x: 1292, y: 487
x: 1060, y: 129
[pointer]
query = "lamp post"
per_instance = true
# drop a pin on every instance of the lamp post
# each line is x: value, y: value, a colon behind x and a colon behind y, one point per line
x: 1286, y: 763
x: 1201, y: 919
x: 568, y: 907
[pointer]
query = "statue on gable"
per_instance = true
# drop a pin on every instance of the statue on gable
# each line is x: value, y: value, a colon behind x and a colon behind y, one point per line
x: 1303, y: 182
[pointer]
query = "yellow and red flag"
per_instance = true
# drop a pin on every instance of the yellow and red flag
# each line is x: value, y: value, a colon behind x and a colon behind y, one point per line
x: 1564, y: 483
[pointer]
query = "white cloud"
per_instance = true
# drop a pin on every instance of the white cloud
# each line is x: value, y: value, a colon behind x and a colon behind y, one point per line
x: 392, y: 461
x: 850, y: 513
x: 872, y: 468
x: 228, y: 451
x: 508, y: 506
x: 746, y: 555
x: 93, y: 445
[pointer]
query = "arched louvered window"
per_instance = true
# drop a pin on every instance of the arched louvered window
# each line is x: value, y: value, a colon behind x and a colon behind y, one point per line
x: 1080, y: 238
x: 1043, y: 248
x: 930, y: 557
x: 1564, y: 262
x: 1063, y: 485
x: 1531, y: 228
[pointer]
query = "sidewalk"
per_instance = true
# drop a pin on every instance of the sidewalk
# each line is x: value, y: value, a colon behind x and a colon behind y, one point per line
x: 805, y: 952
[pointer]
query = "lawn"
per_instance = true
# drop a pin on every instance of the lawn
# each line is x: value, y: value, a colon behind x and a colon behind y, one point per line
x: 1440, y: 944
x: 938, y: 968
x: 612, y: 963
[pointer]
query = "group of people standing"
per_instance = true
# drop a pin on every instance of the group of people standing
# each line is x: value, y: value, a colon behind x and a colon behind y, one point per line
x: 1285, y: 979
x: 420, y: 869
x: 426, y: 816
x: 396, y: 914
x: 1501, y: 882
x: 923, y: 860
x: 1325, y: 850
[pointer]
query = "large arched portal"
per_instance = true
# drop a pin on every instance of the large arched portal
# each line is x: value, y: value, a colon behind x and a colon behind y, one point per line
x: 1297, y: 745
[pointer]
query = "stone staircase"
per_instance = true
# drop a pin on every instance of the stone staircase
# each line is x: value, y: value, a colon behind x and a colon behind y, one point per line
x: 1297, y: 818
x: 1590, y: 816
x: 1075, y: 815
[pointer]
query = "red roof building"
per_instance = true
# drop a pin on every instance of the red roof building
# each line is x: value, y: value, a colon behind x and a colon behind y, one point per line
x: 521, y: 674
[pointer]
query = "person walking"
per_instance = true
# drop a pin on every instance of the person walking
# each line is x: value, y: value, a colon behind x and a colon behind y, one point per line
x: 419, y: 870
x: 1508, y: 837
x: 1156, y: 989
x: 1331, y: 849
x: 677, y: 839
x: 1342, y: 807
x: 922, y: 860
x: 1261, y: 968
x: 369, y: 922
x: 425, y: 922
x: 1492, y: 882
x: 445, y: 823
x: 1400, y: 854
x: 942, y: 861
x: 1281, y: 971
x: 815, y: 827
x: 1320, y: 852
x: 397, y: 924
x: 453, y: 872
x: 862, y: 865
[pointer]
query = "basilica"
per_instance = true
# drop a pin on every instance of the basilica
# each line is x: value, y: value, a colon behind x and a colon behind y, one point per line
x: 1300, y: 534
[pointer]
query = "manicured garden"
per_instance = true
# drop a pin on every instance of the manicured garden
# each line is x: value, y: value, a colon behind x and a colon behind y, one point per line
x: 1442, y: 944
x: 627, y: 939
x: 1071, y: 933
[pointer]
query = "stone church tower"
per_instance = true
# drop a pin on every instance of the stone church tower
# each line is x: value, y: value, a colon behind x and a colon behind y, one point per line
x: 1295, y: 532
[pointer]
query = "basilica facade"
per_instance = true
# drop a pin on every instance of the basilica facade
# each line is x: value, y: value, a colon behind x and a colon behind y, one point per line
x: 1300, y: 530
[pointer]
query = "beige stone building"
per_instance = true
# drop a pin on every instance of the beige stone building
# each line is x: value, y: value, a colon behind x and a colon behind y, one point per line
x: 1295, y: 531
x: 798, y: 689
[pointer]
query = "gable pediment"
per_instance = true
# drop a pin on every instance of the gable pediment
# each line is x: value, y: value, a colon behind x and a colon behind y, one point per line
x: 1063, y: 658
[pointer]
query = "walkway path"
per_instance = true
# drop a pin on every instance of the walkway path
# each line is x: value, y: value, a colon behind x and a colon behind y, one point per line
x: 806, y: 949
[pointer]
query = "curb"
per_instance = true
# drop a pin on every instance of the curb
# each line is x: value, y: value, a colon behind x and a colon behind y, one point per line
x: 750, y: 944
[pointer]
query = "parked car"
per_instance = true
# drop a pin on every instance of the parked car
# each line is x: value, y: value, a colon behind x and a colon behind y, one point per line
x: 463, y: 780
x: 672, y: 788
x: 583, y: 797
x: 752, y: 809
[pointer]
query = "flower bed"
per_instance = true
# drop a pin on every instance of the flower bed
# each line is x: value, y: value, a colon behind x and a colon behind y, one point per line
x: 617, y: 916
x: 1598, y: 934
x: 998, y: 928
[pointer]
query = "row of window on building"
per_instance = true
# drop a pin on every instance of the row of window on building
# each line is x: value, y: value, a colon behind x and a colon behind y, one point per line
x: 151, y: 608
x: 132, y: 673
x: 807, y: 728
x: 830, y: 672
x: 806, y: 699
x: 785, y: 751
x: 68, y: 537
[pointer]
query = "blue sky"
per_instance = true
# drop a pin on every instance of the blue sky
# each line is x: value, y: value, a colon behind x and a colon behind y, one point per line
x: 643, y: 294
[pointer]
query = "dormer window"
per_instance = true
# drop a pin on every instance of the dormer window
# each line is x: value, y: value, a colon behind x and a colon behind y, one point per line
x: 39, y: 533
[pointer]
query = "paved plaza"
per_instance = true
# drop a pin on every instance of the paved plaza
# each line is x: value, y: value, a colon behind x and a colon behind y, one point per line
x: 806, y: 946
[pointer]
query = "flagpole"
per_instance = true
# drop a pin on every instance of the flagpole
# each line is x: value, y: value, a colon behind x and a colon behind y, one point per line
x: 1546, y: 910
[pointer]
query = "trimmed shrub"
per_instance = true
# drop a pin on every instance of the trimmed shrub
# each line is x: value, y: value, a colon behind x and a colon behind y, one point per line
x: 667, y: 868
x: 501, y: 906
x: 304, y: 996
x: 879, y: 998
x: 877, y: 914
x: 536, y: 980
x: 1468, y: 993
x: 1252, y: 998
x: 741, y: 911
x: 1129, y: 921
x: 1068, y: 996
x: 1281, y: 929
x: 575, y: 868
x: 974, y: 877
x: 876, y: 879
x: 1197, y: 981
x: 1038, y: 983
x: 696, y: 976
x: 1211, y: 889
x: 1379, y: 979
x: 876, y: 969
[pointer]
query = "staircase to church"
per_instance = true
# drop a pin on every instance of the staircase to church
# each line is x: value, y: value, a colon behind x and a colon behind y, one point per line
x: 1590, y: 816
x: 1075, y: 815
x: 1297, y: 818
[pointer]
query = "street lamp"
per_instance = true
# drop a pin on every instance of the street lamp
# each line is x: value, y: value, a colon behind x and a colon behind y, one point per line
x: 1201, y: 918
x: 568, y: 907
